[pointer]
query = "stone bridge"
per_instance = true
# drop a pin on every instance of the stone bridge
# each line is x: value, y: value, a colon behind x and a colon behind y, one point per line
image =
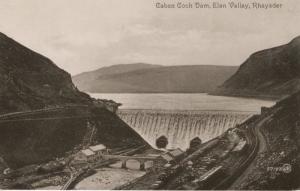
x: 141, y: 159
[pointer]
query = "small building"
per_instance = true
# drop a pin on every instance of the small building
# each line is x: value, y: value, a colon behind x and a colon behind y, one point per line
x: 190, y: 163
x: 85, y: 155
x: 110, y: 105
x: 176, y: 153
x: 152, y: 155
x: 240, y: 146
x: 7, y: 171
x: 88, y: 153
x: 167, y: 157
x: 99, y: 149
x: 172, y: 156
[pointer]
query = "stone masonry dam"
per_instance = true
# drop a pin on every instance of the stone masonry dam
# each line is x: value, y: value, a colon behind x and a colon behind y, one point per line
x: 180, y: 126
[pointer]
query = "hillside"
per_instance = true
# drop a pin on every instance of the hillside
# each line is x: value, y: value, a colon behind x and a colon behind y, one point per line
x: 281, y: 132
x: 272, y: 73
x: 30, y: 81
x: 167, y: 79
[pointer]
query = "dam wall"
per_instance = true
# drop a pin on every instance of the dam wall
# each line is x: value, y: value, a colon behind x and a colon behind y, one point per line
x: 180, y: 126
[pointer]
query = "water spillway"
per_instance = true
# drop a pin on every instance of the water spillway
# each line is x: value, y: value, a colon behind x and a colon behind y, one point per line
x: 179, y: 126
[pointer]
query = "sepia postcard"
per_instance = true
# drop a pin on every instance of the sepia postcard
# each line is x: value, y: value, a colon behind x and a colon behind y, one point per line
x: 149, y: 95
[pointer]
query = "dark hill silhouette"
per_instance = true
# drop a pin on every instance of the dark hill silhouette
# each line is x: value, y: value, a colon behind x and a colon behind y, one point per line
x: 270, y: 73
x: 31, y: 81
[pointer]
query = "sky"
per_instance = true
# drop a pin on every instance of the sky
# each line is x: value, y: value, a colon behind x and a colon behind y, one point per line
x: 84, y: 35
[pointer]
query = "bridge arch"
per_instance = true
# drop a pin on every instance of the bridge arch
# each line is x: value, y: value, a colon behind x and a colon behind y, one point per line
x: 142, y: 163
x: 141, y: 159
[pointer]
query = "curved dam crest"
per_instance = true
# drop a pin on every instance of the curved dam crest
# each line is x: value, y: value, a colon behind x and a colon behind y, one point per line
x: 181, y: 126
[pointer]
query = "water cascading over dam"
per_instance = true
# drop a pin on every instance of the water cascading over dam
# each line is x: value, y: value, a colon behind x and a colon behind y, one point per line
x: 179, y: 126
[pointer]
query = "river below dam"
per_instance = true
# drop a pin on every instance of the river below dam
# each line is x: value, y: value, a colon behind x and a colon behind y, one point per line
x: 183, y: 117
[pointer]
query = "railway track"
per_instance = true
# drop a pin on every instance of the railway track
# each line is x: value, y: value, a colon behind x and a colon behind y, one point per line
x: 176, y: 169
x: 44, y: 119
x: 253, y: 147
x: 68, y: 183
x: 222, y: 179
x: 38, y: 111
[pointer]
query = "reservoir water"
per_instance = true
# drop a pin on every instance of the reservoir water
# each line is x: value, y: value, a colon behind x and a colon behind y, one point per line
x: 201, y: 101
x: 182, y: 117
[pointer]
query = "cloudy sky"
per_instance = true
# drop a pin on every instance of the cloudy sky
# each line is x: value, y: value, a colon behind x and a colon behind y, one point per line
x: 83, y: 35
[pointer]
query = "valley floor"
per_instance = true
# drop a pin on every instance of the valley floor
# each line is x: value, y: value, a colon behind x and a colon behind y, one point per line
x: 261, y: 153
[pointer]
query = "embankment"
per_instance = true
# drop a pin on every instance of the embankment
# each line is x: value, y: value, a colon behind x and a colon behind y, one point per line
x: 37, y: 137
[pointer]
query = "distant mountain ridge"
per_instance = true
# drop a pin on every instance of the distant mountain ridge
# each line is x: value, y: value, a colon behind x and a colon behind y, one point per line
x: 146, y: 78
x: 270, y: 73
x: 84, y: 79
